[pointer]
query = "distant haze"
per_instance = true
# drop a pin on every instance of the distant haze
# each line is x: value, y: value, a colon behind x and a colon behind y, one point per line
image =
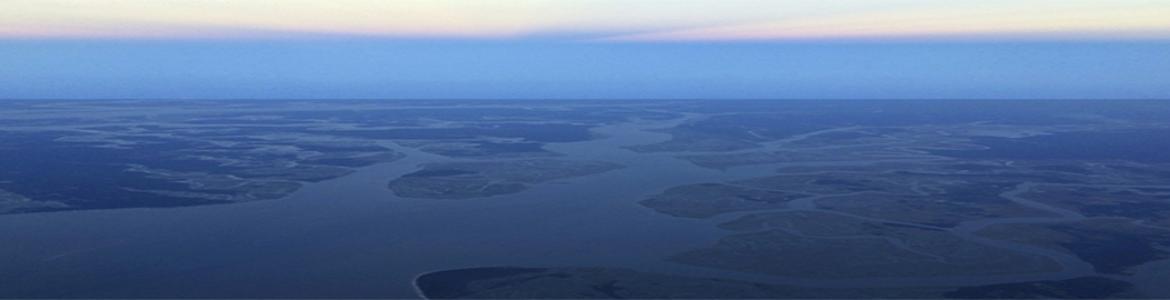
x: 584, y: 49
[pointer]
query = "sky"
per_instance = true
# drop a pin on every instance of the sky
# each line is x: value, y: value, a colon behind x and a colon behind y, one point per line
x: 584, y: 49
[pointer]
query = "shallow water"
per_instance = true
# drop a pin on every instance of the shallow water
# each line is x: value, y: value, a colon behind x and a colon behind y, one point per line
x: 352, y: 237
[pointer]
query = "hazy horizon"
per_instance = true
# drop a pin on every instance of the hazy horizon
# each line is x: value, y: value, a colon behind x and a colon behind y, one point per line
x: 599, y: 49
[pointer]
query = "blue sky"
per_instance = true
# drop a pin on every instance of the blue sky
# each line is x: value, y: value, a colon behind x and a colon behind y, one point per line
x: 584, y: 49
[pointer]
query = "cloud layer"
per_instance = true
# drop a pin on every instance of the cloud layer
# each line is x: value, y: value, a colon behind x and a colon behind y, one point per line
x: 585, y: 20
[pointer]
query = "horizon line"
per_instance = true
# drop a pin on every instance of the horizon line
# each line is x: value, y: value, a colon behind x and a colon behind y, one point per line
x: 591, y: 99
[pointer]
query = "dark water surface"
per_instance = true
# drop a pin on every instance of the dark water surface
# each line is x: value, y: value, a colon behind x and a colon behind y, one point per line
x: 339, y: 231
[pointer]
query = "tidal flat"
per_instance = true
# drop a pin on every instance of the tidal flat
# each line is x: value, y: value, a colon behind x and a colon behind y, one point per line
x: 583, y: 199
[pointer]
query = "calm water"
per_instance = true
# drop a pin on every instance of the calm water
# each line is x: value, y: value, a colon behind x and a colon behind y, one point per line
x: 351, y: 237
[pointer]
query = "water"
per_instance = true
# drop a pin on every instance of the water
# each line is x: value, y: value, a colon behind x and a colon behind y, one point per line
x: 352, y: 237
